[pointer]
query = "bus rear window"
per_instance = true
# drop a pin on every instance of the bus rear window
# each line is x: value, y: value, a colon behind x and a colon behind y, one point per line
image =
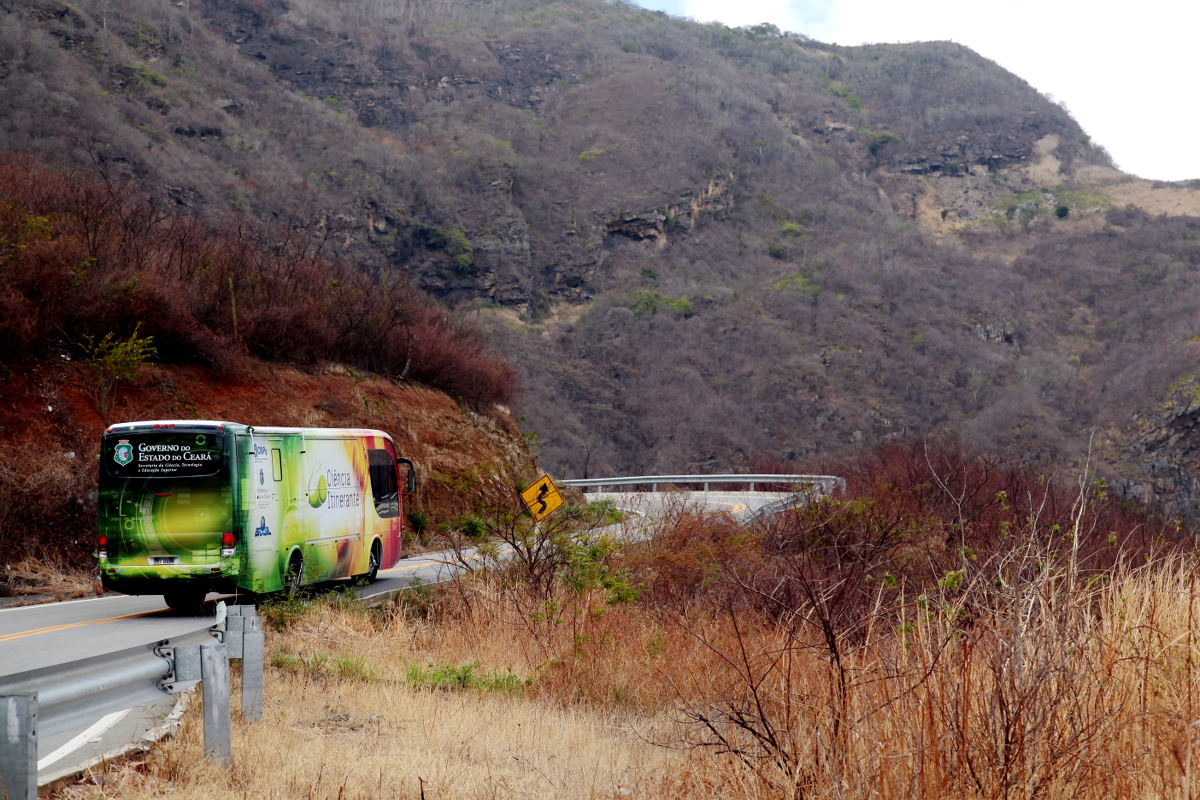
x: 161, y: 454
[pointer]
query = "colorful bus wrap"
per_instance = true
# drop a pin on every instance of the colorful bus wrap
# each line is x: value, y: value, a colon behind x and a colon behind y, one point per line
x: 188, y: 507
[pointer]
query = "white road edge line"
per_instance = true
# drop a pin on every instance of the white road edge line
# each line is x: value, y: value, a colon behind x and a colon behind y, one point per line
x: 100, y: 727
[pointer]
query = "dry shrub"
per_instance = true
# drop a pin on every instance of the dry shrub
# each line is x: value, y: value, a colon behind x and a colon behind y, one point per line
x: 47, y: 504
x: 80, y: 257
x: 63, y: 581
x: 958, y: 627
x: 1048, y: 692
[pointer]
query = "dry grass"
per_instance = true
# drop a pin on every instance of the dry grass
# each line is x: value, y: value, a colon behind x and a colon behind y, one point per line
x: 332, y: 739
x: 1047, y: 696
x: 41, y: 577
x: 365, y: 732
x: 1051, y: 685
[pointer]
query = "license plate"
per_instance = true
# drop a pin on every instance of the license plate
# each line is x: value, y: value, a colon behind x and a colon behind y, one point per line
x: 164, y: 560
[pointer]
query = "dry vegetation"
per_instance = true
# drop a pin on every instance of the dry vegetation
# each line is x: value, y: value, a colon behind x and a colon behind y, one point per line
x: 354, y: 727
x: 781, y: 299
x: 52, y: 579
x: 1055, y: 657
x: 82, y: 259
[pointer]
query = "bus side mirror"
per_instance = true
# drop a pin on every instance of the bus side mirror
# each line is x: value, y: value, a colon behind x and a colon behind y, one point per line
x: 410, y: 483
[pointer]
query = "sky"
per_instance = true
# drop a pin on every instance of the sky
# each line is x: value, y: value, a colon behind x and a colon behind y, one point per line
x: 1123, y: 71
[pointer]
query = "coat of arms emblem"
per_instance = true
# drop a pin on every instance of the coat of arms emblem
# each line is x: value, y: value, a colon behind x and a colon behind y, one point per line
x: 123, y: 452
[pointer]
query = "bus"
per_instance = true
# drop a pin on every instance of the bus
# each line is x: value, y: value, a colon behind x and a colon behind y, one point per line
x: 192, y: 506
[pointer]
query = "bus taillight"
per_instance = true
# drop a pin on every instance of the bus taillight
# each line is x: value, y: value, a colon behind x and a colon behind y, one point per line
x: 226, y: 544
x: 103, y: 547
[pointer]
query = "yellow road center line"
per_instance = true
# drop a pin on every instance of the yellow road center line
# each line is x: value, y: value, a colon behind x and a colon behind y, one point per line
x: 53, y: 628
x: 429, y: 564
x: 410, y: 566
x: 736, y: 506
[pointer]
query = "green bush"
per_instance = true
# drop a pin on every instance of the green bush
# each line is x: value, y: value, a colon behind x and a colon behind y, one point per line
x: 847, y: 95
x: 796, y: 285
x: 455, y: 244
x: 280, y: 612
x: 419, y: 521
x: 472, y: 527
x: 466, y: 677
x: 877, y: 139
x: 647, y: 303
x: 114, y: 361
x: 683, y: 306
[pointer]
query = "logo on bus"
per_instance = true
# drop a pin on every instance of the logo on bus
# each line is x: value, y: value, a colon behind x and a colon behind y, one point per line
x: 123, y: 452
x: 262, y: 529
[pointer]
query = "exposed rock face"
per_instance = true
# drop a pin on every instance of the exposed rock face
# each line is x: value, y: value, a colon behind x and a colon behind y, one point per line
x: 958, y: 156
x: 637, y: 225
x: 1026, y: 210
x: 688, y: 208
x: 1001, y: 332
x: 1161, y: 461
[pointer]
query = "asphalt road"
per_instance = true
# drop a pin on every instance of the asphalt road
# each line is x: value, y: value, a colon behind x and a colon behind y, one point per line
x: 38, y: 636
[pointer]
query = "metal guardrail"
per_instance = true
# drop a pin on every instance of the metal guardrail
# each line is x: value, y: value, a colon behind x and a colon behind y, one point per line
x: 822, y: 484
x: 83, y: 691
x: 50, y: 700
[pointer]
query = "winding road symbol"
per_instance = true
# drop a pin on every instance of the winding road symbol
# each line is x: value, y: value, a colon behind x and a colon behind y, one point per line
x: 542, y: 498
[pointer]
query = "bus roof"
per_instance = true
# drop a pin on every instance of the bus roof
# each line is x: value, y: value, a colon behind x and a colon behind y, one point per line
x: 172, y: 423
x: 347, y: 433
x: 206, y: 424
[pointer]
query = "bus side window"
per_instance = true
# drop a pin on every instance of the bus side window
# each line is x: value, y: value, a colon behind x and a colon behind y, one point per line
x: 383, y: 483
x: 276, y: 464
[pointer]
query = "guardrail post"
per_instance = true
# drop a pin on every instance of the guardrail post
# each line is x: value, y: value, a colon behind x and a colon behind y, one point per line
x: 18, y: 746
x: 214, y: 672
x: 235, y: 624
x: 252, y: 668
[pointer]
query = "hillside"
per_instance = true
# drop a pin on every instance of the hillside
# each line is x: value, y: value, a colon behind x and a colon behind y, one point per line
x: 51, y: 440
x: 702, y: 248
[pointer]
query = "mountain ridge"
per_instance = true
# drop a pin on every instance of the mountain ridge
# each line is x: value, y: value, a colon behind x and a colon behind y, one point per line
x: 703, y: 247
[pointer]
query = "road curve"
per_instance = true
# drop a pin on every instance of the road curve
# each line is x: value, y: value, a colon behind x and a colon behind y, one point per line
x: 53, y: 633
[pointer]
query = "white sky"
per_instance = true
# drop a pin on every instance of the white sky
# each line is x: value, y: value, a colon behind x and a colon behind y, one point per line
x: 1125, y: 72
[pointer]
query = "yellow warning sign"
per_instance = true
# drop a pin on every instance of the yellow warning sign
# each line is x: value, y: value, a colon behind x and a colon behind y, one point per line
x: 542, y: 498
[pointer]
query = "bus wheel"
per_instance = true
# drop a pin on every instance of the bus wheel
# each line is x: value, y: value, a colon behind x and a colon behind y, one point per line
x: 294, y: 578
x: 186, y: 598
x: 373, y: 564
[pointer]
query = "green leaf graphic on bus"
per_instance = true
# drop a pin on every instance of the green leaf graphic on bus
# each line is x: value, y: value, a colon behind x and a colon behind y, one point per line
x: 318, y: 493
